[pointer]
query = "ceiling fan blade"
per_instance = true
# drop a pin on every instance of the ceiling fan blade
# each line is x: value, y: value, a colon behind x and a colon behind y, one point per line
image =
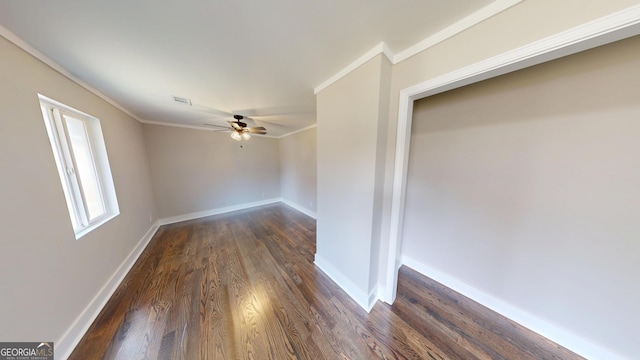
x: 276, y: 111
x: 257, y: 130
x: 235, y: 125
x: 210, y: 110
x: 220, y: 126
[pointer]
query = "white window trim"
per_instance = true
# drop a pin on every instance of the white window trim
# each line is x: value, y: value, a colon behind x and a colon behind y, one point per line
x: 66, y: 165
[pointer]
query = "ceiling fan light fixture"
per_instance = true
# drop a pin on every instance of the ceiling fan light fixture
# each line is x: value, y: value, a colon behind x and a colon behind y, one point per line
x: 246, y: 136
x: 236, y: 136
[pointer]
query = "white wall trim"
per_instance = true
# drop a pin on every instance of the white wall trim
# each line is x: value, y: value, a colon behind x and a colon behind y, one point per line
x: 398, y: 194
x: 298, y: 131
x: 601, y: 31
x: 365, y: 300
x: 217, y: 211
x: 4, y: 32
x: 179, y: 125
x: 381, y: 48
x: 486, y: 12
x: 76, y: 331
x: 553, y: 332
x: 477, y: 17
x: 302, y: 209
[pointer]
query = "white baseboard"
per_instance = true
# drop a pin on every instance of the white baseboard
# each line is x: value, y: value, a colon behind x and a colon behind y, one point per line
x: 65, y: 345
x: 301, y: 209
x: 205, y: 213
x: 365, y: 300
x: 552, y: 332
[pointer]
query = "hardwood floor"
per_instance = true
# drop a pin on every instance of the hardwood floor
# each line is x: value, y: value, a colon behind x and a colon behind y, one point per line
x: 243, y: 286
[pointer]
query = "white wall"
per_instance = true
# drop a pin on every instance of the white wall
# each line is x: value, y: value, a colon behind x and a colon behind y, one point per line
x: 298, y: 170
x: 526, y: 187
x: 47, y: 276
x: 196, y: 170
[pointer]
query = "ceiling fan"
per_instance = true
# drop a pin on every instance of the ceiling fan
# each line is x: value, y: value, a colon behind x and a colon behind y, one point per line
x: 240, y: 130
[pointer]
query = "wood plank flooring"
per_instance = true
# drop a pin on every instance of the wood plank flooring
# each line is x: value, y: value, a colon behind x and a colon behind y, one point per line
x: 243, y: 286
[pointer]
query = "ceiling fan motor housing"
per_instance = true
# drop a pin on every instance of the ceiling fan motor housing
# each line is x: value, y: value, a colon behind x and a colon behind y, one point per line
x: 240, y: 123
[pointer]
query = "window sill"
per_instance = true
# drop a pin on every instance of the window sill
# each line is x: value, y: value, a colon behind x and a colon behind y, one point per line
x: 95, y: 225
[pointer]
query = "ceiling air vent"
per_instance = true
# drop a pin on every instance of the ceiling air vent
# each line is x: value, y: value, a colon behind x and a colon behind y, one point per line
x: 182, y: 100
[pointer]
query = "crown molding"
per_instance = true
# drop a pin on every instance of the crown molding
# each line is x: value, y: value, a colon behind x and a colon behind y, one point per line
x: 604, y: 30
x: 465, y: 23
x: 477, y: 17
x: 172, y: 124
x: 297, y: 131
x: 13, y: 38
x: 607, y: 29
x: 381, y: 48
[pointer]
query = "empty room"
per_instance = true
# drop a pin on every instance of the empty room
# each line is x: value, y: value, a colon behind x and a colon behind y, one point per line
x: 320, y: 180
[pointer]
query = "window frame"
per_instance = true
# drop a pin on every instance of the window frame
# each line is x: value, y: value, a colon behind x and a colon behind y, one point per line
x: 57, y: 117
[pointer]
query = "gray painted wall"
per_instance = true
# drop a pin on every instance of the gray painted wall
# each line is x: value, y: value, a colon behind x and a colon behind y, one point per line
x: 47, y: 276
x: 349, y: 117
x: 34, y: 218
x: 195, y: 170
x: 522, y: 24
x: 527, y: 187
x: 298, y: 169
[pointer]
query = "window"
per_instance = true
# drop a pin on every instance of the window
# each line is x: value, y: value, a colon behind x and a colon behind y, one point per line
x: 81, y: 157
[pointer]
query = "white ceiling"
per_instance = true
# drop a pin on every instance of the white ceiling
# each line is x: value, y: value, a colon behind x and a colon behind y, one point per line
x: 261, y: 59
